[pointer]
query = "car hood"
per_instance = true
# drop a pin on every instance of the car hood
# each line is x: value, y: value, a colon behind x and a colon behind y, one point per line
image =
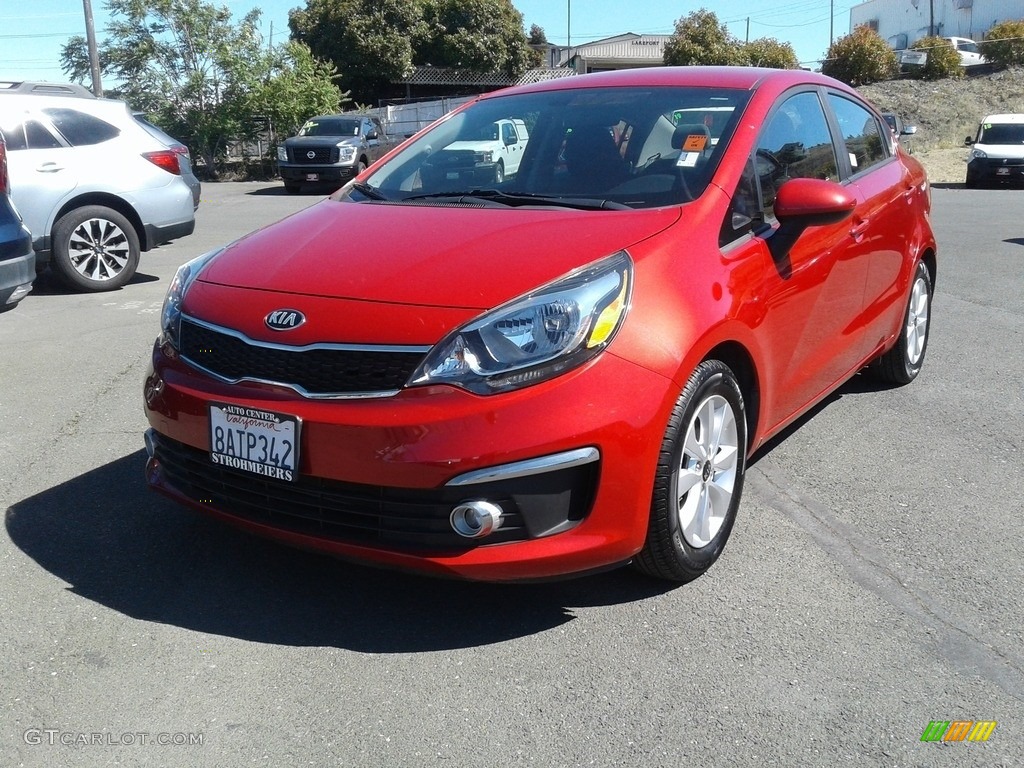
x: 426, y: 255
x: 321, y: 141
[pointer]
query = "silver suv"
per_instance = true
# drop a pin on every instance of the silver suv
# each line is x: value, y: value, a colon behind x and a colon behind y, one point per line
x: 92, y: 185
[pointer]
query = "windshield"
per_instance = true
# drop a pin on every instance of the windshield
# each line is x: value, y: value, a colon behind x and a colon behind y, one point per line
x: 1001, y: 133
x: 330, y: 127
x: 636, y: 147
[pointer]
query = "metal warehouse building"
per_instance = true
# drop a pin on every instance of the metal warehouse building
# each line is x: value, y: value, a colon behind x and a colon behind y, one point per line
x: 903, y: 22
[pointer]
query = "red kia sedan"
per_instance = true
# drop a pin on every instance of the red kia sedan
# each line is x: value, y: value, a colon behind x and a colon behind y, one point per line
x: 562, y: 371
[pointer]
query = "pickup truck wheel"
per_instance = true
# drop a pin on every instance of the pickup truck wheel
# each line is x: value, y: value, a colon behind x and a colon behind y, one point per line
x: 499, y: 172
x: 360, y: 167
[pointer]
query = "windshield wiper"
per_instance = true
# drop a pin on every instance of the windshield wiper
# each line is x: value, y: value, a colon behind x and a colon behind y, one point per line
x: 371, y: 192
x: 523, y: 198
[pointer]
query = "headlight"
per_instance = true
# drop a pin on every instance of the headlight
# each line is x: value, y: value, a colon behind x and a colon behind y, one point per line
x: 346, y: 153
x: 170, y: 315
x: 282, y: 155
x: 536, y: 337
x: 978, y: 153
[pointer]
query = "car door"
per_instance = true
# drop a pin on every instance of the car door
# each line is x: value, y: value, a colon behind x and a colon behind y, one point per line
x: 41, y: 171
x: 807, y: 301
x: 885, y: 190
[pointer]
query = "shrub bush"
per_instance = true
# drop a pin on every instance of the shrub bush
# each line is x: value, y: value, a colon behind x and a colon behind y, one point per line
x: 1003, y: 45
x: 943, y: 59
x: 860, y: 57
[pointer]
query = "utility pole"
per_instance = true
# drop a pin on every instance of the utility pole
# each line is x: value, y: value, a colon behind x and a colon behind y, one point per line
x: 931, y: 18
x: 94, y: 57
x: 748, y: 30
x: 568, y: 31
x: 831, y: 19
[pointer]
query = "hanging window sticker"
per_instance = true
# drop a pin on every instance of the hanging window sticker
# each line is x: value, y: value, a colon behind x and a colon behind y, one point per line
x: 687, y: 160
x: 695, y: 143
x: 853, y: 160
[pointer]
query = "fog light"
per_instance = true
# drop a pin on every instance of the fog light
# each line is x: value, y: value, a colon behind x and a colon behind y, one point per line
x: 19, y: 293
x: 476, y: 519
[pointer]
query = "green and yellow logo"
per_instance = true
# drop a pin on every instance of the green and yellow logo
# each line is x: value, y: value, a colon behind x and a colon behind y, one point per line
x: 958, y: 730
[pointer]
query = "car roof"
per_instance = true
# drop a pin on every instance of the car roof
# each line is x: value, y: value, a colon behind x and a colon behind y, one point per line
x: 30, y: 88
x: 1007, y: 118
x: 744, y: 78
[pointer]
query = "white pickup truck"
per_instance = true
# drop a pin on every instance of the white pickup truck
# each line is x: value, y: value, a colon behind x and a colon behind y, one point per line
x: 490, y: 158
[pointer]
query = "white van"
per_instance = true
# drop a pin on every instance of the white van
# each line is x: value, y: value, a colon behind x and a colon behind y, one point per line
x: 997, y: 151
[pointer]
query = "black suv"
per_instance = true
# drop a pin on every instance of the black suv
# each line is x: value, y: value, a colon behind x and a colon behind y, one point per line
x: 17, y: 261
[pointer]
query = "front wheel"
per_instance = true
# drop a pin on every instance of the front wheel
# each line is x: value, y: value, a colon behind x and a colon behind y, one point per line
x: 699, y: 477
x: 499, y: 172
x: 95, y: 249
x: 902, y: 363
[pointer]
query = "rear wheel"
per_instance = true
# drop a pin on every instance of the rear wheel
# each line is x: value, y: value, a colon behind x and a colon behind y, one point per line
x: 292, y: 187
x: 95, y: 248
x: 699, y: 478
x: 902, y: 363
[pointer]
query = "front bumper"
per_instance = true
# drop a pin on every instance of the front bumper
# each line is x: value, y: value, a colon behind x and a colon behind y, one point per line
x: 315, y: 174
x: 995, y: 170
x: 380, y: 478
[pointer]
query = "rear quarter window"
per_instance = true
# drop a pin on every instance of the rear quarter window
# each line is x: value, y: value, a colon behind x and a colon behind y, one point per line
x: 79, y: 128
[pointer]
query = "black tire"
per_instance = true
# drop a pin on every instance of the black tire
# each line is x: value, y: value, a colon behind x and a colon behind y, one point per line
x: 677, y: 547
x: 971, y: 182
x: 499, y: 172
x: 360, y: 167
x: 292, y: 187
x: 95, y: 249
x: 902, y: 363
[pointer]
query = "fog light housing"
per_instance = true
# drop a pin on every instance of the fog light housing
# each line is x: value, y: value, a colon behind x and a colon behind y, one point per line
x: 476, y: 519
x: 19, y: 293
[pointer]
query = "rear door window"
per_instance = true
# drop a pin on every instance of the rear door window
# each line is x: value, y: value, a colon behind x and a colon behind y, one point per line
x: 79, y: 128
x: 861, y: 133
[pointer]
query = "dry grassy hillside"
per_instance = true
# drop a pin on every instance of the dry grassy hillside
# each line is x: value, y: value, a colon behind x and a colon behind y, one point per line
x: 945, y: 111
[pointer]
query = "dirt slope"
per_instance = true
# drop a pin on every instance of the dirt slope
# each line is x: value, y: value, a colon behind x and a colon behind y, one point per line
x: 945, y: 111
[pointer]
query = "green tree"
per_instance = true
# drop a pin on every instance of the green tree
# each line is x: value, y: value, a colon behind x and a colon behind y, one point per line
x: 700, y: 39
x: 860, y: 57
x: 769, y: 52
x: 478, y: 35
x: 368, y: 41
x: 190, y: 69
x: 299, y: 86
x: 537, y: 35
x: 1003, y: 45
x: 943, y: 60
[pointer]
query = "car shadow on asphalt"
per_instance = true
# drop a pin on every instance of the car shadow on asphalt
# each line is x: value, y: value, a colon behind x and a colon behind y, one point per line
x: 48, y: 284
x: 122, y: 546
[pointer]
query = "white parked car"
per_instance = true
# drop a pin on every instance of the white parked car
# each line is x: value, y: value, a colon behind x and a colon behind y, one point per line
x: 997, y: 151
x: 970, y: 52
x: 93, y: 186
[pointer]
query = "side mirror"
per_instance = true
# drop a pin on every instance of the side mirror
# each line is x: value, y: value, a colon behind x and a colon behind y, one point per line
x: 803, y: 203
x: 968, y: 141
x: 909, y: 130
x: 371, y: 135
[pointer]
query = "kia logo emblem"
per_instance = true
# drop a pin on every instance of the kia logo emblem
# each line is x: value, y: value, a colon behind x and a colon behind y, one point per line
x: 284, y: 319
x: 311, y: 154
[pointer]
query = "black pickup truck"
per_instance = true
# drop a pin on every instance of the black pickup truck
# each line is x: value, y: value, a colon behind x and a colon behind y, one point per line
x: 331, y: 149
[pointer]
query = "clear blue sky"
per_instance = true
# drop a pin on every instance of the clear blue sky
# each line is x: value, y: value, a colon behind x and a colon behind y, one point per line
x: 31, y: 35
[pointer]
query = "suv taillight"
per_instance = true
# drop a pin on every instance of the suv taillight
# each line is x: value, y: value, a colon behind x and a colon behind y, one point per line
x: 4, y: 180
x: 166, y: 159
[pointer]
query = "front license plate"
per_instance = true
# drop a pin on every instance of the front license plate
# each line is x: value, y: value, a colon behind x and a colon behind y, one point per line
x: 253, y: 440
x: 312, y: 177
